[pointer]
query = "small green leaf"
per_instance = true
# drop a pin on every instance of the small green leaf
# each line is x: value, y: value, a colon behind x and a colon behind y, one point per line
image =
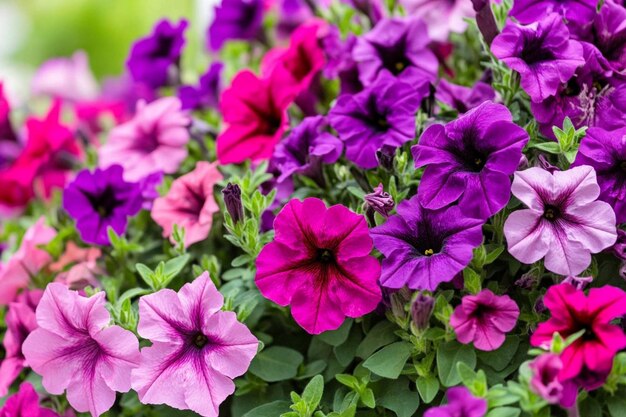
x: 272, y: 409
x: 313, y: 392
x: 616, y: 406
x: 472, y: 281
x: 367, y: 398
x: 347, y: 380
x: 428, y: 388
x: 337, y: 337
x: 467, y: 374
x: 550, y: 147
x: 380, y: 335
x: 276, y: 363
x: 397, y: 397
x: 448, y: 355
x: 389, y: 361
x: 504, y: 412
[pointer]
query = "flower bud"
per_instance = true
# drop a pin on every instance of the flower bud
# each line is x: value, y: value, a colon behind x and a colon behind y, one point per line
x: 421, y: 311
x: 619, y: 249
x: 485, y: 20
x: 380, y: 201
x: 386, y: 155
x: 578, y: 282
x: 232, y: 200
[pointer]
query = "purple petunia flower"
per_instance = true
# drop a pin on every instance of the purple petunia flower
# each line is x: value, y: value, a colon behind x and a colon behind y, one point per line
x: 382, y: 114
x: 339, y: 61
x: 545, y: 380
x: 542, y: 53
x: 461, y: 403
x: 398, y: 46
x: 153, y: 57
x: 101, y: 199
x: 470, y: 160
x: 575, y: 11
x: 206, y: 93
x: 424, y: 248
x: 609, y: 34
x: 606, y: 153
x: 235, y: 19
x: 464, y: 98
x: 306, y: 148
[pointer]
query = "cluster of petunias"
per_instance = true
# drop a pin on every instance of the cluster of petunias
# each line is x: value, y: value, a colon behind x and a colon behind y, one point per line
x: 373, y: 200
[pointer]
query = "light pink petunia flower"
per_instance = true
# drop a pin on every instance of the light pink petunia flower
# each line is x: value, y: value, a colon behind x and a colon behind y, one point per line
x: 563, y: 223
x: 441, y: 16
x: 484, y: 319
x: 77, y: 267
x: 75, y: 349
x: 189, y: 203
x: 154, y: 140
x: 66, y: 78
x: 196, y: 351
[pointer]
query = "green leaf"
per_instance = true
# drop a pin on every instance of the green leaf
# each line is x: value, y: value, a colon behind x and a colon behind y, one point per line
x: 617, y: 406
x: 313, y: 392
x: 466, y: 373
x: 174, y: 266
x: 337, y: 337
x: 550, y: 147
x: 367, y: 398
x: 448, y: 355
x: 272, y: 409
x: 147, y: 275
x: 276, y: 363
x: 428, y: 388
x: 389, y: 361
x: 472, y: 280
x: 590, y: 408
x: 397, y: 397
x: 504, y: 412
x: 347, y: 380
x: 498, y: 359
x: 380, y: 335
x: 132, y: 293
x: 494, y: 254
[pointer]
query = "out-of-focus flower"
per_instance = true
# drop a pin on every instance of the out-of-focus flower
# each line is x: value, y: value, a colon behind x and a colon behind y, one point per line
x: 563, y: 224
x: 579, y: 12
x: 75, y: 349
x: 424, y: 248
x: 441, y: 16
x: 149, y: 192
x: 154, y: 140
x: 101, y: 199
x: 197, y: 349
x: 619, y: 249
x: 25, y: 403
x: 609, y: 34
x: 9, y: 144
x: 546, y: 382
x: 77, y: 267
x: 320, y: 264
x: 339, y: 61
x: 206, y: 94
x: 470, y: 160
x: 235, y: 20
x: 578, y: 282
x: 464, y: 98
x: 66, y: 78
x: 461, y: 403
x: 385, y: 156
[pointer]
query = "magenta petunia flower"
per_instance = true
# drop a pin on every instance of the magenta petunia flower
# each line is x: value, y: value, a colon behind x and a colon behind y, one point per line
x: 484, y: 319
x: 189, y: 203
x: 424, y: 248
x: 589, y: 359
x: 25, y: 403
x: 75, y: 349
x: 398, y: 46
x: 470, y: 160
x: 154, y: 140
x: 196, y: 351
x: 575, y: 11
x: 563, y: 223
x: 541, y: 52
x: 320, y: 264
x: 464, y: 98
x: 461, y: 403
x: 545, y: 380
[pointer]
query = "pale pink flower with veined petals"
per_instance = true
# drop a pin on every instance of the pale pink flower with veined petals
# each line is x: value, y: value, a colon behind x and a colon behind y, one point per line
x: 66, y: 78
x: 154, y: 140
x: 563, y: 223
x: 196, y: 349
x: 441, y: 16
x: 75, y: 349
x: 189, y: 203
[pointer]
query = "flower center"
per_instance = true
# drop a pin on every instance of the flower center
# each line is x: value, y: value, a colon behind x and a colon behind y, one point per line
x: 383, y: 123
x: 104, y: 203
x: 429, y: 252
x: 325, y: 256
x: 551, y: 212
x: 400, y: 66
x: 622, y: 165
x: 200, y: 340
x: 534, y: 52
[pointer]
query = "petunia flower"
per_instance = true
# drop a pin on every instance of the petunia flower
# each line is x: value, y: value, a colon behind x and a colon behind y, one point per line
x: 563, y: 223
x: 196, y: 351
x: 101, y: 199
x: 75, y: 349
x: 25, y: 403
x: 10, y: 146
x: 464, y: 98
x: 484, y: 319
x: 619, y: 249
x: 398, y: 46
x: 424, y: 248
x: 575, y: 11
x: 461, y: 403
x: 153, y: 58
x: 154, y: 140
x: 545, y: 381
x: 441, y: 16
x: 77, y: 267
x: 570, y: 312
x: 206, y: 93
x: 470, y: 160
x: 254, y: 112
x: 339, y: 61
x: 235, y: 20
x: 609, y: 34
x: 66, y: 78
x: 382, y: 114
x: 189, y: 203
x: 320, y: 264
x: 541, y: 52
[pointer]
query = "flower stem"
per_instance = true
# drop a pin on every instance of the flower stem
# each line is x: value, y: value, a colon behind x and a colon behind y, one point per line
x: 573, y: 411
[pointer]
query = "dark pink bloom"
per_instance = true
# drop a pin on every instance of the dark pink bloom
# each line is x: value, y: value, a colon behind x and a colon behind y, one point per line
x: 461, y: 403
x: 484, y: 319
x: 320, y: 264
x: 545, y: 380
x: 25, y: 403
x: 589, y: 359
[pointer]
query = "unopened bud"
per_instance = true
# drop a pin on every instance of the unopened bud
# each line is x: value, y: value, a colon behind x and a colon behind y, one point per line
x: 232, y: 200
x: 422, y: 310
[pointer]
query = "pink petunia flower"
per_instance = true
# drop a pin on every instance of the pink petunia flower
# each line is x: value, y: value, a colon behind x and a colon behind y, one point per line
x: 189, y: 203
x: 26, y: 262
x: 441, y: 16
x: 77, y: 267
x: 75, y: 349
x: 563, y: 223
x: 320, y: 264
x: 66, y: 78
x: 25, y: 403
x: 589, y: 359
x: 545, y: 380
x: 484, y: 319
x: 196, y: 351
x: 153, y: 140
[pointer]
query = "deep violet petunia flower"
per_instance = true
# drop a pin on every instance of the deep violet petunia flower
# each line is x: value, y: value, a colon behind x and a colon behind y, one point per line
x: 570, y: 312
x: 235, y: 20
x: 619, y: 249
x: 196, y: 351
x: 254, y: 112
x: 154, y: 58
x: 206, y: 93
x: 464, y: 98
x: 470, y: 160
x: 25, y: 403
x: 306, y: 148
x: 339, y: 61
x: 382, y: 114
x: 101, y: 199
x: 153, y: 140
x: 461, y: 403
x: 563, y: 224
x: 484, y: 319
x: 75, y: 349
x: 398, y: 46
x: 189, y: 203
x: 575, y: 11
x: 541, y: 52
x: 545, y: 380
x: 606, y: 152
x: 320, y: 264
x: 424, y: 248
x: 441, y: 16
x: 609, y: 34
